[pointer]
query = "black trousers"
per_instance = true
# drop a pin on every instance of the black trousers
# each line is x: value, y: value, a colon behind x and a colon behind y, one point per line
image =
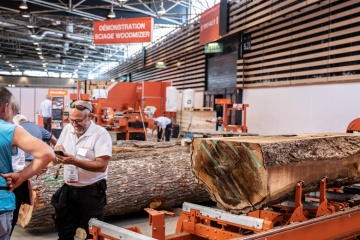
x: 82, y: 204
x: 47, y: 123
x: 167, y: 132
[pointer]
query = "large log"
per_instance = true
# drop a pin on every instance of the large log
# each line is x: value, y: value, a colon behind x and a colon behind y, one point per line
x: 243, y: 174
x: 141, y: 175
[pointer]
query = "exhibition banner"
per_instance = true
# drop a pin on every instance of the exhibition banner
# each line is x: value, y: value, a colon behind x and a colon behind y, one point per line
x: 133, y: 30
x: 209, y: 25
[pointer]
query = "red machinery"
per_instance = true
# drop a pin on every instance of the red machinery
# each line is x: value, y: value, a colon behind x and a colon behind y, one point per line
x: 227, y: 107
x: 130, y: 124
x: 323, y: 215
x: 354, y: 126
x: 124, y: 108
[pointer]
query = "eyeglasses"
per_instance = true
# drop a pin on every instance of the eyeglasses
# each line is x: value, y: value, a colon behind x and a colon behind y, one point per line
x: 79, y: 107
x: 77, y: 121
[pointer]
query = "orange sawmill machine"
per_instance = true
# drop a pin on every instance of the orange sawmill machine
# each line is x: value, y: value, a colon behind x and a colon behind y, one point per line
x: 228, y: 106
x: 129, y: 108
x: 325, y: 214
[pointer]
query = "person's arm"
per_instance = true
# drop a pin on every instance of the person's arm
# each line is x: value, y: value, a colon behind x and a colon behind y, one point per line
x: 102, y: 147
x: 48, y: 136
x: 162, y: 133
x: 53, y: 141
x: 43, y: 155
x: 153, y: 129
x: 97, y: 165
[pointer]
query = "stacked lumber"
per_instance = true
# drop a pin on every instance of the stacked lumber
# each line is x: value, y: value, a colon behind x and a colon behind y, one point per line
x: 197, y: 119
x: 141, y: 175
x: 246, y: 173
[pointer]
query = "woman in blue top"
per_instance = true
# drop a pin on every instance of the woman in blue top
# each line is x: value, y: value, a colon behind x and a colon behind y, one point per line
x: 10, y: 136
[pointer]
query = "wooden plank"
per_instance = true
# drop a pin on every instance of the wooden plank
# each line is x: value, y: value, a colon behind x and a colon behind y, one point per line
x: 197, y: 119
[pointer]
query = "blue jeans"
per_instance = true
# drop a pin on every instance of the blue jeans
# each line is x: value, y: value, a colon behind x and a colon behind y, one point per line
x: 5, y: 225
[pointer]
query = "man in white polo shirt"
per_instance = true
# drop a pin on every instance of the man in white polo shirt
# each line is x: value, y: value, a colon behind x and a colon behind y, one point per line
x: 86, y: 150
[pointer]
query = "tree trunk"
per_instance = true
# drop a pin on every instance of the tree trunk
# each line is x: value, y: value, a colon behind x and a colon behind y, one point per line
x: 141, y: 175
x: 243, y: 174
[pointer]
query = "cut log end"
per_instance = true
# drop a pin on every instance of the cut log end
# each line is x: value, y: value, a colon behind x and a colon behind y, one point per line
x: 243, y: 174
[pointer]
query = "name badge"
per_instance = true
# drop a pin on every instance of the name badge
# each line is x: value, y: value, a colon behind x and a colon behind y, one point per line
x: 72, y: 174
x: 82, y: 152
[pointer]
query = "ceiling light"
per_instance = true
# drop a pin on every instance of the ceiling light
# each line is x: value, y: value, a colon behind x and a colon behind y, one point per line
x: 35, y: 43
x: 111, y: 14
x: 122, y: 1
x: 30, y: 26
x: 39, y: 53
x: 161, y: 9
x: 25, y: 14
x: 38, y: 49
x: 23, y: 5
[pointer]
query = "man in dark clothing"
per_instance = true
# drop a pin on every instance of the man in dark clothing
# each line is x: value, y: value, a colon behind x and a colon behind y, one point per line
x: 36, y: 131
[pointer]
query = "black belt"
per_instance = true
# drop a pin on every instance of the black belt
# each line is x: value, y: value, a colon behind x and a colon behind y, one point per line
x: 4, y: 188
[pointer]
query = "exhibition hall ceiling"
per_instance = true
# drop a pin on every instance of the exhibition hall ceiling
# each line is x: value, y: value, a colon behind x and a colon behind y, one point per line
x: 54, y: 38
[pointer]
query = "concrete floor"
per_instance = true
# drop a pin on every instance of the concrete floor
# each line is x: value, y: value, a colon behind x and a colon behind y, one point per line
x: 139, y: 219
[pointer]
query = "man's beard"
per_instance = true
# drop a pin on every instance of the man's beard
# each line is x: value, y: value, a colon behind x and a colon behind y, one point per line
x: 80, y: 131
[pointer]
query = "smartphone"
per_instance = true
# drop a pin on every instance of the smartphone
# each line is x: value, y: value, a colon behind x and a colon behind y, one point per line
x: 61, y: 153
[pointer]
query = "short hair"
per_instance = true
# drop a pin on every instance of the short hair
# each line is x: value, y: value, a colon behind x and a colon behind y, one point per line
x: 14, y: 105
x: 156, y: 122
x: 5, y: 95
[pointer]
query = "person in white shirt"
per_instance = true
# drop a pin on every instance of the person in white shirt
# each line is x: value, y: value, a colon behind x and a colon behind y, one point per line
x: 86, y: 150
x: 163, y: 125
x: 45, y: 112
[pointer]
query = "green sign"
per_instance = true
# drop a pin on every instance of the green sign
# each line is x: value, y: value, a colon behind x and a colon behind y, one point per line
x: 214, y: 48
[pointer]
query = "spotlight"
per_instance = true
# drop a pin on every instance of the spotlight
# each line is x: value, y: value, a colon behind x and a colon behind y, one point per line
x: 25, y: 14
x: 161, y: 9
x: 23, y: 5
x: 111, y: 14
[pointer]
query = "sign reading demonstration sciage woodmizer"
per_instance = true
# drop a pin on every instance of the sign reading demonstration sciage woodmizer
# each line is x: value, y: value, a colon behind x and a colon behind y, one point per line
x: 134, y: 30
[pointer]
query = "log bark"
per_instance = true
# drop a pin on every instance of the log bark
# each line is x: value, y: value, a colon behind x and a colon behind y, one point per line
x: 243, y: 174
x: 141, y: 175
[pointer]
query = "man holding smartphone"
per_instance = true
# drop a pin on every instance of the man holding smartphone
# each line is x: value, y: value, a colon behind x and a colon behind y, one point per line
x: 87, y: 149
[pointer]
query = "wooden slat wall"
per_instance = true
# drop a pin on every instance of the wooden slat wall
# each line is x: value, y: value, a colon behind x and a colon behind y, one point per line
x: 292, y: 42
x: 303, y: 42
x: 183, y: 55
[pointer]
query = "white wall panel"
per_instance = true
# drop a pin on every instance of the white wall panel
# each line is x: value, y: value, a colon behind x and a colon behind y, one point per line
x: 31, y: 98
x: 302, y: 109
x: 27, y: 103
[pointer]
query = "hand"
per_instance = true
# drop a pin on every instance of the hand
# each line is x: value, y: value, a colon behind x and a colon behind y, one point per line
x: 59, y: 148
x: 13, y: 180
x: 67, y: 159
